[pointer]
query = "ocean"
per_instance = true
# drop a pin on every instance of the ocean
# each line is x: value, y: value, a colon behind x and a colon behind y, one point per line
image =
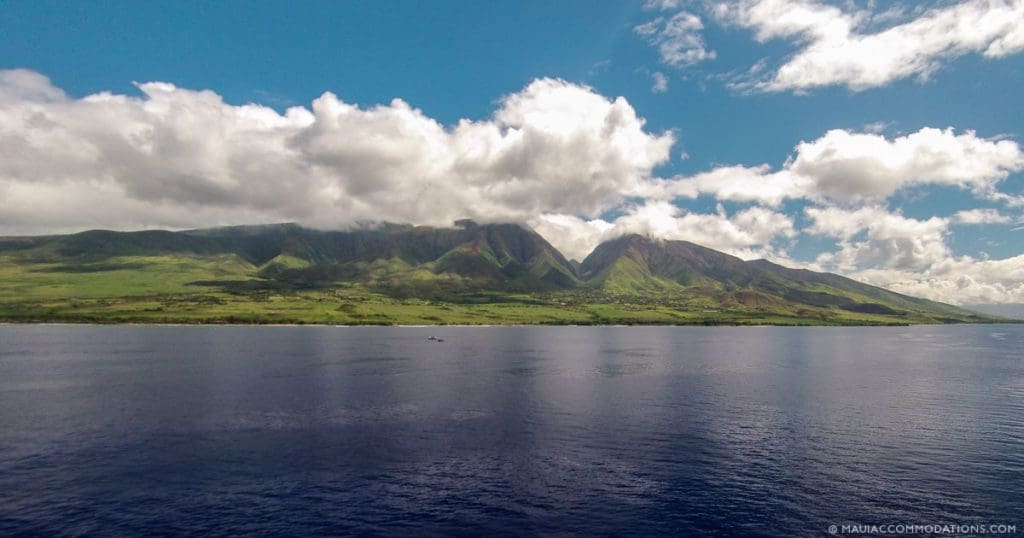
x: 721, y: 431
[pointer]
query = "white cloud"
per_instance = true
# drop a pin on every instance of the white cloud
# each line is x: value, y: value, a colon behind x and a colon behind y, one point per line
x: 889, y: 240
x: 176, y: 157
x: 660, y: 82
x: 855, y: 167
x: 1008, y: 199
x: 877, y: 127
x: 957, y: 281
x: 981, y: 216
x: 748, y: 233
x: 573, y: 236
x: 26, y: 85
x: 911, y: 256
x: 735, y: 183
x: 662, y: 5
x: 845, y: 47
x: 678, y: 38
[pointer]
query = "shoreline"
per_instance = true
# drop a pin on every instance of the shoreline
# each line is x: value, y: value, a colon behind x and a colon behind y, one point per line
x: 493, y: 325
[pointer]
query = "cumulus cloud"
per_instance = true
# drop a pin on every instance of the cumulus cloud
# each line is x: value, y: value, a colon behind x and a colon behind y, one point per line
x: 733, y: 182
x: 871, y: 236
x: 911, y: 256
x: 853, y: 167
x: 862, y: 49
x: 174, y: 157
x: 960, y: 281
x: 678, y: 38
x: 748, y: 233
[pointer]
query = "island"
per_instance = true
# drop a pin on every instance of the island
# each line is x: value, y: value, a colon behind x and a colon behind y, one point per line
x: 392, y: 274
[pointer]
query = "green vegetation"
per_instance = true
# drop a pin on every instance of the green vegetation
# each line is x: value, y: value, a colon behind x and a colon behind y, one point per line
x: 494, y: 274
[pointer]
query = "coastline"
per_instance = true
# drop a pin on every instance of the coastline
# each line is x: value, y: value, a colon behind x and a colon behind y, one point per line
x: 484, y: 325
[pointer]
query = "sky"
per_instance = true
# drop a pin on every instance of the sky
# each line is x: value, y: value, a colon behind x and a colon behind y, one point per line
x: 879, y: 140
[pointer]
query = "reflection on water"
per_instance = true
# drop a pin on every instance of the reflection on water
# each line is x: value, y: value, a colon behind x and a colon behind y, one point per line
x: 772, y: 431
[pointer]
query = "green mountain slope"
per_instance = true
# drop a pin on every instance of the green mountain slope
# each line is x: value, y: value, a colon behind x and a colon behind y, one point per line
x: 494, y: 273
x: 499, y: 256
x: 636, y: 264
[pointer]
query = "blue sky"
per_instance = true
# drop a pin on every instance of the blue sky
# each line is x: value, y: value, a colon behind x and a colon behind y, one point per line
x: 910, y: 176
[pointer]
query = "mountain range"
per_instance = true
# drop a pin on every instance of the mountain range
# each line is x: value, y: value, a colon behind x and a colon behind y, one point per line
x: 495, y: 263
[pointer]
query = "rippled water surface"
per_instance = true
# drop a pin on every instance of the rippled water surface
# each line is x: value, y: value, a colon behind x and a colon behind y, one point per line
x: 321, y: 430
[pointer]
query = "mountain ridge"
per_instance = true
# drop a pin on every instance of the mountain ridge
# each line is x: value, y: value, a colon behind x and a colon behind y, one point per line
x: 405, y: 262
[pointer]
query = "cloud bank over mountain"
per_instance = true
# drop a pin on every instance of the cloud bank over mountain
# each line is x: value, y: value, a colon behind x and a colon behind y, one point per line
x: 578, y: 166
x: 174, y: 156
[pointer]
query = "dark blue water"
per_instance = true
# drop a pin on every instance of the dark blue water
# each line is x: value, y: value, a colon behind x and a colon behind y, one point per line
x: 727, y: 431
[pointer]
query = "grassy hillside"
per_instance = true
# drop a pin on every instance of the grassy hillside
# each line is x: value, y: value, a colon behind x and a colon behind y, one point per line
x: 490, y: 274
x: 638, y: 265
